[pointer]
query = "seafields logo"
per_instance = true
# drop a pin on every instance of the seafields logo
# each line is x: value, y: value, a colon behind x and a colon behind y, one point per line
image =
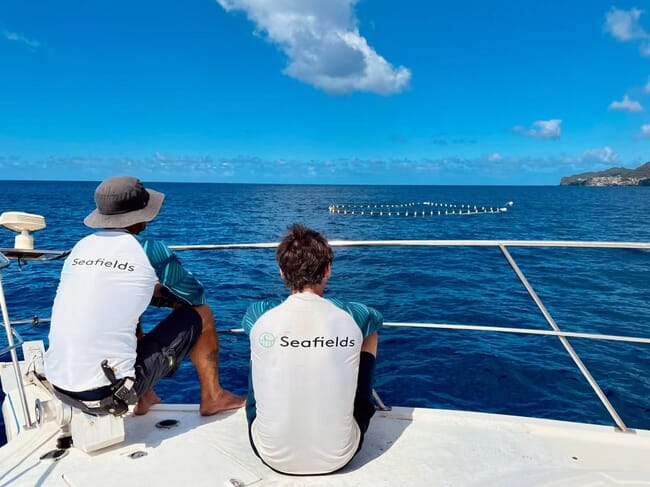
x: 266, y: 339
x: 101, y: 262
x: 317, y: 342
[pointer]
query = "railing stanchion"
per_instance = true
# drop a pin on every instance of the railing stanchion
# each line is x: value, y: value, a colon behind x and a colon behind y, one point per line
x: 14, y: 357
x: 565, y: 342
x: 380, y: 404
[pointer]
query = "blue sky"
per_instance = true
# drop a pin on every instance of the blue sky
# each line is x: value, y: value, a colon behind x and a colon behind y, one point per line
x: 315, y: 91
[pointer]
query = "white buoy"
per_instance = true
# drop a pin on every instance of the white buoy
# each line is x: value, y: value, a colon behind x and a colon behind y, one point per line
x: 416, y: 209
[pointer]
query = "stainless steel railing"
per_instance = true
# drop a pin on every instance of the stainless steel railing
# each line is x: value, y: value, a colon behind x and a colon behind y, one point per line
x: 11, y: 349
x: 502, y: 245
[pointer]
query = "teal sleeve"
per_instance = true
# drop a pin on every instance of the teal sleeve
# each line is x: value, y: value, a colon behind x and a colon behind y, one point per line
x: 256, y: 310
x: 368, y: 319
x: 172, y: 275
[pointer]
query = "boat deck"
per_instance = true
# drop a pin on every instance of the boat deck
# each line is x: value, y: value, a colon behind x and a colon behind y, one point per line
x: 405, y: 446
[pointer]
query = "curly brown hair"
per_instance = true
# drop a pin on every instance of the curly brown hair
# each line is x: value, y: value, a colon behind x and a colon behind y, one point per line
x: 303, y: 256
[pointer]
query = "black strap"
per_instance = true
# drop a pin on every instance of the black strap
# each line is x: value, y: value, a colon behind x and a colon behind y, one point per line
x: 119, y: 397
x: 108, y: 372
x: 123, y: 389
x: 101, y: 407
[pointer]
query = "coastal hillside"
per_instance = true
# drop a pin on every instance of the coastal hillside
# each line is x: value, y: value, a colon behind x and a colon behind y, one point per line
x: 615, y: 176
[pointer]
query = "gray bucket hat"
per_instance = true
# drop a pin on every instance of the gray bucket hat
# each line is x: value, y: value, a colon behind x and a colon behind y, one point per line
x: 123, y: 201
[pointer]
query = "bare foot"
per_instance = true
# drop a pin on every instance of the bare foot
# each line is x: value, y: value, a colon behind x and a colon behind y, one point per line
x: 148, y: 399
x: 223, y: 401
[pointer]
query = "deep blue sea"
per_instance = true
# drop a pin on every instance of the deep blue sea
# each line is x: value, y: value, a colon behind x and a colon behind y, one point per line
x: 585, y: 290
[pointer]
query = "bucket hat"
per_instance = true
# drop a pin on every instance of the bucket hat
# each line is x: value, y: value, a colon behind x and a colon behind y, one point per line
x: 123, y: 201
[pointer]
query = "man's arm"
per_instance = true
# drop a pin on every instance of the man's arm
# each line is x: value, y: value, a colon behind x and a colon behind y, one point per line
x: 368, y: 319
x: 370, y: 343
x: 178, y: 286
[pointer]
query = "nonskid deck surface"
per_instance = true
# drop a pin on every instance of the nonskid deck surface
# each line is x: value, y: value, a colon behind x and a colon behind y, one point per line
x: 406, y: 446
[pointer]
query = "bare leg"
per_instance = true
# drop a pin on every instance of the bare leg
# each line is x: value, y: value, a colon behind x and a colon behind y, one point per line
x: 148, y: 399
x: 205, y: 357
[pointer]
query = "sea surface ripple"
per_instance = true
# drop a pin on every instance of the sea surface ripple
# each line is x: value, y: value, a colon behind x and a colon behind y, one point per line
x: 585, y: 290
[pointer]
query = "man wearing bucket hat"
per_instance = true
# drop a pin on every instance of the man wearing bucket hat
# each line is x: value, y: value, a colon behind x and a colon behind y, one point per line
x: 97, y: 352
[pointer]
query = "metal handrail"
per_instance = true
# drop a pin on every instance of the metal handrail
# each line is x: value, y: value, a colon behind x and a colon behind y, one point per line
x: 34, y: 321
x: 19, y: 341
x: 497, y: 329
x: 565, y: 343
x: 501, y: 244
x: 522, y: 331
x: 9, y: 331
x: 431, y: 243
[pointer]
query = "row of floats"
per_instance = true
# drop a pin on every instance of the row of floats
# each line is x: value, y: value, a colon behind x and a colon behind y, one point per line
x: 423, y: 208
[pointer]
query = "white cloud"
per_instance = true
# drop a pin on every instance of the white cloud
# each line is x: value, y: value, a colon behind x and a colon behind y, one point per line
x: 605, y: 154
x: 645, y: 132
x: 494, y: 157
x: 323, y: 44
x: 626, y: 104
x: 15, y: 37
x: 542, y: 129
x: 646, y: 88
x: 624, y: 25
x: 491, y: 168
x: 645, y: 49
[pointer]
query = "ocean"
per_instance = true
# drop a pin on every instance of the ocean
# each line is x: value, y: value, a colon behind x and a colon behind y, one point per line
x: 585, y: 290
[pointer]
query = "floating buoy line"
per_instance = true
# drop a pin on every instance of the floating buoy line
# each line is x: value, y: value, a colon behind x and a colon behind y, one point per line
x: 422, y: 208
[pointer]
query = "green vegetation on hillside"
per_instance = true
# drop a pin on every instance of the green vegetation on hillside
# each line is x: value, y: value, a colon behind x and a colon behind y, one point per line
x: 615, y: 176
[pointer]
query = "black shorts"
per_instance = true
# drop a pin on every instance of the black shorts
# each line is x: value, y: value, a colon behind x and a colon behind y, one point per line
x: 161, y: 351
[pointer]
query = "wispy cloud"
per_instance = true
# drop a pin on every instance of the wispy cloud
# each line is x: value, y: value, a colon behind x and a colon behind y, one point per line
x: 323, y: 44
x: 644, y: 133
x: 626, y: 105
x: 97, y: 167
x: 605, y: 154
x: 542, y: 129
x: 15, y: 37
x: 444, y: 140
x: 645, y: 49
x: 625, y: 26
x: 486, y: 169
x: 495, y: 156
x: 646, y: 88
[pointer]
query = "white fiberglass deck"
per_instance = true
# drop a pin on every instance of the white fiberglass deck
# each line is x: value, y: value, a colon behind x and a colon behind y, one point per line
x: 406, y: 446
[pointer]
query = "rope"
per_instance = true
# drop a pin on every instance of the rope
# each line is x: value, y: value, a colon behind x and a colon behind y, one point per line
x: 414, y: 209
